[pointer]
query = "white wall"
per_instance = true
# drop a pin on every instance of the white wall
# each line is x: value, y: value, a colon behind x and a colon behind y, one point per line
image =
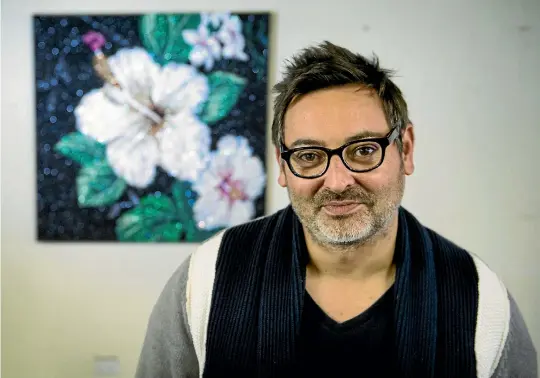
x: 469, y: 70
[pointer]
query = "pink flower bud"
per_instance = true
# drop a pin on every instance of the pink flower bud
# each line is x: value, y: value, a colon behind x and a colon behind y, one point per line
x: 94, y: 40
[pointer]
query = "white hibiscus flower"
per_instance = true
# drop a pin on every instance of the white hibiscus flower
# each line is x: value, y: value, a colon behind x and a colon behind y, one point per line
x: 151, y: 120
x: 230, y: 35
x: 205, y: 47
x: 227, y: 188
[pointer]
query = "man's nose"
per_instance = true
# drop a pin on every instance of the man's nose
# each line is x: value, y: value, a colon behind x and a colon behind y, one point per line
x: 338, y: 177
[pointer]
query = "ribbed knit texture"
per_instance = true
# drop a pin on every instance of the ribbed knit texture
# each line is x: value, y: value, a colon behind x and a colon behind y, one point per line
x: 260, y: 285
x: 436, y: 304
x: 457, y: 291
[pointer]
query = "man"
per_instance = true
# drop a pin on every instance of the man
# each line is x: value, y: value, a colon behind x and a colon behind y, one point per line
x: 344, y: 281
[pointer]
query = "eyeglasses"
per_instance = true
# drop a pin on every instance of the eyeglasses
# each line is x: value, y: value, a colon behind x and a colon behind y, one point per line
x: 358, y: 156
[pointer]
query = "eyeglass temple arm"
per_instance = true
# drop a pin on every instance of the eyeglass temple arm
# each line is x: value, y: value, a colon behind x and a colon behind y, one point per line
x: 393, y: 134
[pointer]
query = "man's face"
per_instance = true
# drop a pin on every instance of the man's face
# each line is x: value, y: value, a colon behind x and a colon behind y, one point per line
x: 343, y: 207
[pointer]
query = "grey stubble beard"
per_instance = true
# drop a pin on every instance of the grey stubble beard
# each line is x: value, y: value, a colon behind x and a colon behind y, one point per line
x: 363, y: 227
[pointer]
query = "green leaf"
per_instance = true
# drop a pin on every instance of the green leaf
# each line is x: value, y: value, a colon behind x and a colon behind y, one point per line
x: 183, y: 194
x: 154, y: 219
x: 255, y: 41
x: 161, y: 35
x: 80, y: 148
x: 225, y: 89
x: 97, y: 185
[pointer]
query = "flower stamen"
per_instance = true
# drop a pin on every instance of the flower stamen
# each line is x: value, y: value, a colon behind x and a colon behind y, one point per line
x: 232, y: 189
x: 95, y: 41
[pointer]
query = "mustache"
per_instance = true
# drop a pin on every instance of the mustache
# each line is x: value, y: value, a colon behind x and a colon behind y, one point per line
x: 353, y: 194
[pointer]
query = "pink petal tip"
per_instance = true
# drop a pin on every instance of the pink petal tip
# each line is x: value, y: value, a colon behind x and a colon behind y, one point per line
x: 94, y: 40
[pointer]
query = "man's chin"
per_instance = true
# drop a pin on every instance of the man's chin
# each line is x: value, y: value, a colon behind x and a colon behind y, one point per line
x: 344, y: 230
x: 343, y: 239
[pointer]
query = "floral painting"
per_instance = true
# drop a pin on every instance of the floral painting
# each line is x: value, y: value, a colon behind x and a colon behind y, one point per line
x: 151, y: 127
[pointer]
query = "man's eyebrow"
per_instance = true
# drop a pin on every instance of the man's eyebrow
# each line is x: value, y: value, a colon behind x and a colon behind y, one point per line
x: 366, y: 134
x: 321, y: 143
x: 308, y: 142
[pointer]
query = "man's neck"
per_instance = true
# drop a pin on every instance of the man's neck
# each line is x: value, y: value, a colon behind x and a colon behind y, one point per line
x: 354, y: 262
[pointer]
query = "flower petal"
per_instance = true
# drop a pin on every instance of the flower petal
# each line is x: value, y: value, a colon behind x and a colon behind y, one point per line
x: 211, y: 210
x: 250, y: 173
x: 203, y: 32
x: 213, y: 19
x: 231, y: 30
x: 231, y: 167
x: 231, y: 145
x: 228, y: 51
x: 216, y: 20
x: 224, y: 35
x: 214, y: 47
x: 185, y: 145
x: 212, y: 176
x: 99, y: 116
x: 198, y: 55
x: 206, y: 18
x: 209, y: 62
x: 179, y: 87
x: 240, y: 212
x: 134, y: 158
x: 241, y: 55
x: 235, y: 24
x: 239, y: 46
x: 190, y: 36
x: 135, y: 71
x: 235, y: 50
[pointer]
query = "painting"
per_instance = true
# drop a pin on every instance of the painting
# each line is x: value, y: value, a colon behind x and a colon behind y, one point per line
x: 150, y: 127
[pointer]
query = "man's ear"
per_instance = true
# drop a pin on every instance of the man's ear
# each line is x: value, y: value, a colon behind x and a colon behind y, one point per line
x: 407, y: 153
x: 281, y: 165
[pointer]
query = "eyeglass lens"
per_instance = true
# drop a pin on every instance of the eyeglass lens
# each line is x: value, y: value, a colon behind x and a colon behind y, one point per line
x: 360, y: 156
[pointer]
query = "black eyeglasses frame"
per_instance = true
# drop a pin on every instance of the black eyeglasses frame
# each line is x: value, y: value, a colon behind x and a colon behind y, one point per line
x: 384, y: 142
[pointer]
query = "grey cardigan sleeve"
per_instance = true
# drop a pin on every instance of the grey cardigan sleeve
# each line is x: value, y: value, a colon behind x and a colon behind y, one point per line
x: 518, y: 358
x: 168, y: 350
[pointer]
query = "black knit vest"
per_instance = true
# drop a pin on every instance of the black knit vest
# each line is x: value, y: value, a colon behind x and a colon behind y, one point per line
x: 260, y: 284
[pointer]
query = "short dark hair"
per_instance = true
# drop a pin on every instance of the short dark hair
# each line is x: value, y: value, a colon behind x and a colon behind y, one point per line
x: 328, y: 65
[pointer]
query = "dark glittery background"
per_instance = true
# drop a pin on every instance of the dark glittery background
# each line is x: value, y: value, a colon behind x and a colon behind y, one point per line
x: 64, y: 73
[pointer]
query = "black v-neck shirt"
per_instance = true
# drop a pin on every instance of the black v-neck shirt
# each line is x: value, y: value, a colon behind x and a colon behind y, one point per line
x: 359, y: 347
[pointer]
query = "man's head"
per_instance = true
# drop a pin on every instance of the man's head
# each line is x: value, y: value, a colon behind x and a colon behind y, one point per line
x: 331, y: 98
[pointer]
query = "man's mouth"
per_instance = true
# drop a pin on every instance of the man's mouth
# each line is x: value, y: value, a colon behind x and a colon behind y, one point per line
x: 336, y: 208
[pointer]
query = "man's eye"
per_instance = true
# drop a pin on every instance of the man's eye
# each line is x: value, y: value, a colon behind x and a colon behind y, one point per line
x: 365, y: 150
x: 308, y: 156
